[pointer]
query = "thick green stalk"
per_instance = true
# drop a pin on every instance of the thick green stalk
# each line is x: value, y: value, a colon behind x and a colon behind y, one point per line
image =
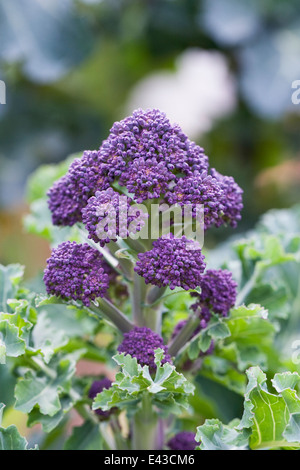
x: 248, y: 286
x: 145, y: 426
x: 124, y: 265
x: 153, y: 318
x: 138, y: 290
x: 184, y: 335
x: 135, y: 245
x: 155, y: 294
x: 112, y: 313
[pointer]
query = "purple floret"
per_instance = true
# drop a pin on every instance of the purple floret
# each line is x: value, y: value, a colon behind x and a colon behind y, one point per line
x: 146, y: 179
x: 69, y: 195
x: 231, y: 199
x: 169, y: 263
x: 97, y: 387
x: 64, y: 208
x: 199, y: 189
x: 218, y: 294
x: 220, y: 195
x: 184, y: 440
x: 141, y: 343
x: 149, y: 134
x: 152, y: 158
x: 107, y: 215
x: 146, y: 153
x: 76, y: 271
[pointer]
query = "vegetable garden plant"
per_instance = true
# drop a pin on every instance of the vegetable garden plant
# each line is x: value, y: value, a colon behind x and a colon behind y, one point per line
x: 199, y: 345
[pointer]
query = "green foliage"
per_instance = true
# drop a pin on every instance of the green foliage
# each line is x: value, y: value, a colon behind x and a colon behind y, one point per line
x: 270, y: 419
x: 10, y: 438
x: 42, y: 345
x: 168, y: 389
x: 85, y: 437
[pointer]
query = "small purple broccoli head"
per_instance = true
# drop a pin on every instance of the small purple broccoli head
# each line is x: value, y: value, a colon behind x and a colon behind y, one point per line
x: 218, y: 294
x: 184, y: 440
x: 97, y: 387
x: 141, y: 343
x: 169, y: 263
x: 76, y: 271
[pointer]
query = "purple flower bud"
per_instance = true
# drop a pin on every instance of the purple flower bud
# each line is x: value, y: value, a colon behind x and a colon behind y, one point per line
x: 199, y: 189
x: 97, y: 387
x: 218, y: 294
x: 108, y: 215
x: 141, y: 343
x: 169, y: 263
x: 76, y: 271
x: 146, y: 179
x: 231, y: 199
x: 69, y: 195
x: 149, y: 136
x: 220, y: 196
x: 184, y: 440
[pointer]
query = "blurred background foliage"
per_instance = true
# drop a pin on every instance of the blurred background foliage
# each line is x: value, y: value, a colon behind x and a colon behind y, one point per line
x: 222, y: 69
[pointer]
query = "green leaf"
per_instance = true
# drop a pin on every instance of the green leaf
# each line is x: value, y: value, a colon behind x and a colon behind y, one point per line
x: 275, y: 221
x: 168, y: 389
x: 10, y: 278
x: 249, y: 324
x: 44, y: 389
x: 2, y: 406
x: 10, y: 343
x: 272, y: 418
x: 49, y: 423
x: 213, y: 435
x: 216, y: 330
x: 274, y: 298
x: 33, y: 390
x: 85, y: 437
x: 39, y: 222
x: 15, y: 329
x: 128, y: 364
x: 10, y: 438
x: 46, y: 338
x: 223, y: 371
x: 42, y: 300
x: 250, y: 342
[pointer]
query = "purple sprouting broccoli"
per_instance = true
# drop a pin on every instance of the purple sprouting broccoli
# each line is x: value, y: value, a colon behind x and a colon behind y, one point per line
x: 183, y: 440
x: 107, y: 216
x: 97, y: 387
x: 151, y: 158
x: 218, y: 294
x: 69, y: 195
x: 199, y: 189
x: 231, y: 199
x: 76, y: 271
x: 141, y: 343
x: 170, y: 263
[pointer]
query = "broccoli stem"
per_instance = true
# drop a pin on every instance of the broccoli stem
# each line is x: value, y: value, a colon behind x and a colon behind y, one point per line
x: 145, y: 426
